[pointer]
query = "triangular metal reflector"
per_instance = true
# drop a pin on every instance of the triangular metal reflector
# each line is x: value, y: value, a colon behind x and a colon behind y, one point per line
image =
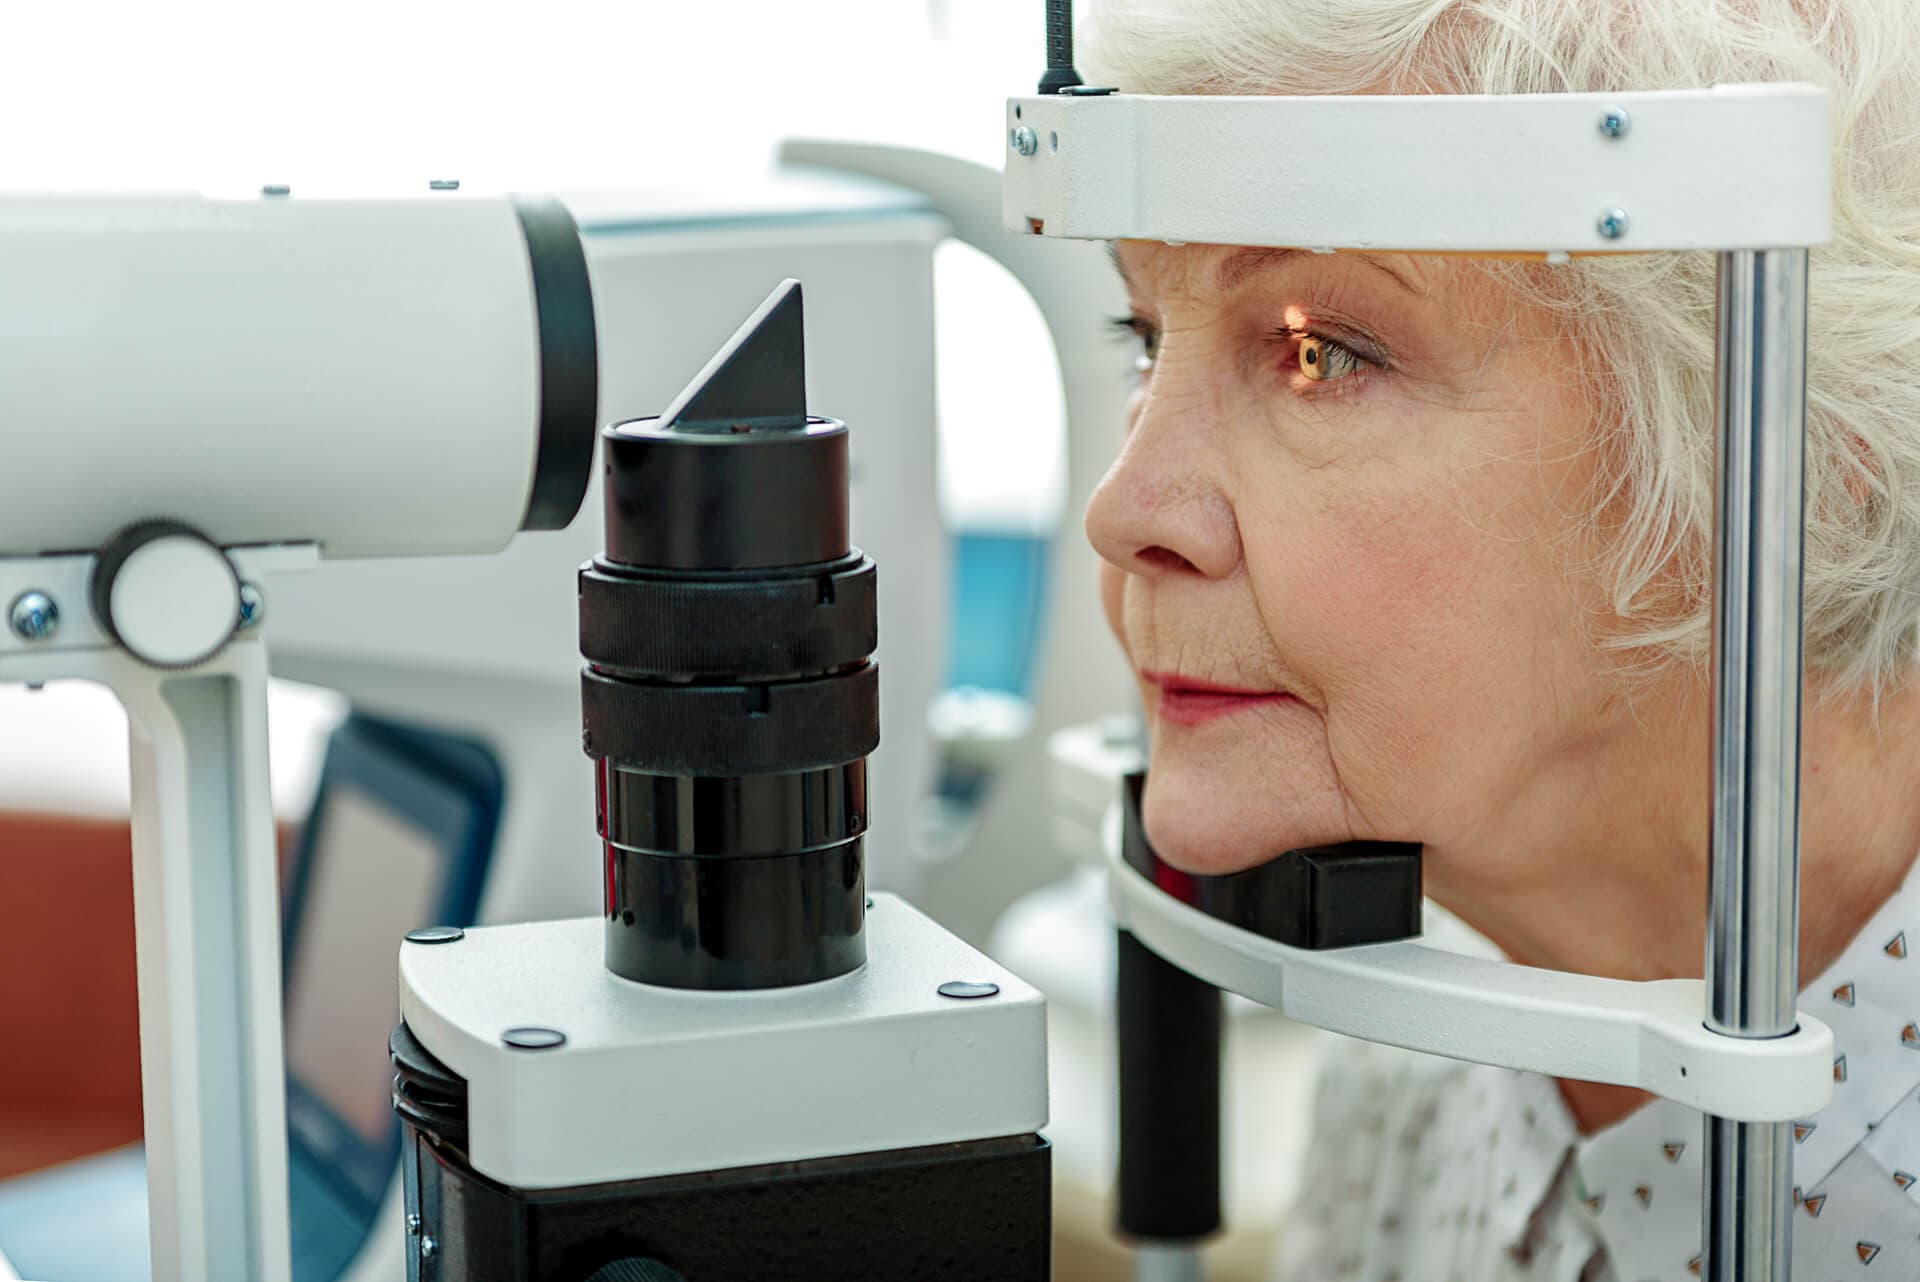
x: 758, y: 379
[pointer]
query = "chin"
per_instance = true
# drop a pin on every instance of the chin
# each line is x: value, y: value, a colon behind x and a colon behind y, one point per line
x: 1206, y: 822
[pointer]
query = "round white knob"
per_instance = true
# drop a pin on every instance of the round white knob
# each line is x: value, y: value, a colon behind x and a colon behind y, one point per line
x: 166, y: 593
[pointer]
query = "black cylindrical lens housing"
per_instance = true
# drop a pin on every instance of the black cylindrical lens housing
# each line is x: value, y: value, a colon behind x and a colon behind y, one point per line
x: 730, y: 701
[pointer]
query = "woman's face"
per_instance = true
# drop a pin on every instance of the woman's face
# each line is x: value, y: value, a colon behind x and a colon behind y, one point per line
x: 1349, y: 549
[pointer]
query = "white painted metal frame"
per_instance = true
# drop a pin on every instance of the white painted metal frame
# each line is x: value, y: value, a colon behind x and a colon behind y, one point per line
x: 1647, y: 1035
x: 1741, y: 170
x: 206, y: 924
x: 1736, y: 167
x: 662, y: 1081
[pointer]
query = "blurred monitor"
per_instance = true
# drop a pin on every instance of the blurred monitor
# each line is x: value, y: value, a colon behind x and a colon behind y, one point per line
x: 401, y: 831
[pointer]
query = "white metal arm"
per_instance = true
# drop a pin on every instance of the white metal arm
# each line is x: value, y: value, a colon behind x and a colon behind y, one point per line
x: 1738, y: 167
x: 206, y: 925
x: 1647, y: 1035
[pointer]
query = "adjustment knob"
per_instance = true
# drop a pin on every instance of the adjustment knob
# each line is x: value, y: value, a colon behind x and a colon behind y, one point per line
x: 166, y: 593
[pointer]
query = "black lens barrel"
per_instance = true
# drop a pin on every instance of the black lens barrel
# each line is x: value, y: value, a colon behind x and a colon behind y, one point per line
x: 730, y: 698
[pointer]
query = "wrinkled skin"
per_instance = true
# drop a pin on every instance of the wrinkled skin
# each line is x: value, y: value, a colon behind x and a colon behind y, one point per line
x: 1395, y: 546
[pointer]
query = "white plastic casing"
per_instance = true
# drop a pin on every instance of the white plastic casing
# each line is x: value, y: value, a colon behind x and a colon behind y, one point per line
x: 1651, y: 1035
x: 1734, y: 167
x: 661, y: 1081
x: 363, y: 375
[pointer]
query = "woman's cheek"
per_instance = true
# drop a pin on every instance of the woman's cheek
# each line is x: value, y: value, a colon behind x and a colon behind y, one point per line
x: 1373, y: 613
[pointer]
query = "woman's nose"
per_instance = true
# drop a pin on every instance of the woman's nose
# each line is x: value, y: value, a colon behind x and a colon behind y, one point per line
x: 1163, y: 507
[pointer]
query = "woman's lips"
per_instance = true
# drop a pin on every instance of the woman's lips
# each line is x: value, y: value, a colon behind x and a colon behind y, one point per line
x: 1187, y: 702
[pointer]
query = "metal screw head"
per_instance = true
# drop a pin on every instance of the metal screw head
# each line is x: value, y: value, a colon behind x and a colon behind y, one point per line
x: 435, y: 935
x: 253, y: 607
x: 1612, y: 223
x: 34, y: 616
x: 1614, y: 122
x: 443, y: 184
x: 413, y: 1225
x: 966, y: 989
x: 533, y: 1039
x: 427, y: 1248
x: 1024, y: 140
x: 276, y: 189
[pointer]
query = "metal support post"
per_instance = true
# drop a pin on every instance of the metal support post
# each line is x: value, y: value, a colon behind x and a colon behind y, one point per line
x: 1752, y: 953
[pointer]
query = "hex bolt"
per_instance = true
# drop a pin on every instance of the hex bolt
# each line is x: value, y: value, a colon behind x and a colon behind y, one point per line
x: 1612, y: 223
x: 1614, y: 122
x: 253, y: 607
x: 1024, y: 140
x: 428, y: 1247
x: 34, y: 616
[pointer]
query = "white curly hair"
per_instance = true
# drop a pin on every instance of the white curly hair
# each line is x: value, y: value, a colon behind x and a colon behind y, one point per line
x: 1654, y: 372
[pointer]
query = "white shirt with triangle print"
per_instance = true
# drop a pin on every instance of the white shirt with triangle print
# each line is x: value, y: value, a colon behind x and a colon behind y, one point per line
x: 1428, y: 1170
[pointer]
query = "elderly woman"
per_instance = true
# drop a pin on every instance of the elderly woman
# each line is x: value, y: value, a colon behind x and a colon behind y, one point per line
x: 1418, y: 549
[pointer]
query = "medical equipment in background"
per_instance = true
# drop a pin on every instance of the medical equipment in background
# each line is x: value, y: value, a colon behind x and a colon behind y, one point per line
x: 490, y: 648
x: 45, y: 637
x: 1544, y: 176
x: 839, y: 1111
x: 206, y: 392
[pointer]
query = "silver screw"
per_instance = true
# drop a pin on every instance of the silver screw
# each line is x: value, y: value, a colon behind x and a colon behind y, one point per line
x: 1024, y: 140
x: 413, y: 1225
x: 1614, y: 122
x: 253, y: 607
x: 428, y: 1247
x: 1612, y: 222
x: 34, y: 616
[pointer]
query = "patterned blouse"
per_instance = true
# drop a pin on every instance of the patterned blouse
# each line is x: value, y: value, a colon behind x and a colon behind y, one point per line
x: 1429, y: 1170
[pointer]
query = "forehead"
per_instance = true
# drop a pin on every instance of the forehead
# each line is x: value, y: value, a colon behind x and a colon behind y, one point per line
x: 1202, y: 270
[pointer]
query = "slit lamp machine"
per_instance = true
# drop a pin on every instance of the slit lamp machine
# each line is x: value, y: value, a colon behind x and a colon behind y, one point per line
x: 740, y: 1062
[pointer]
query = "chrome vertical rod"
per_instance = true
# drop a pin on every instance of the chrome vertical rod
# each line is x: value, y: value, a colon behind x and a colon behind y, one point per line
x: 1752, y: 961
x: 1162, y: 1262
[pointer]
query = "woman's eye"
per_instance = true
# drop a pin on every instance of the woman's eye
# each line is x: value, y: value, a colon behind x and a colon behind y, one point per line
x: 1147, y: 334
x: 1323, y: 360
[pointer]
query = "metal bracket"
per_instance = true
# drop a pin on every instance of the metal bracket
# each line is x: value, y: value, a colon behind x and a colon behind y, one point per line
x: 1530, y: 174
x: 206, y: 922
x: 880, y: 1058
x: 1649, y: 1035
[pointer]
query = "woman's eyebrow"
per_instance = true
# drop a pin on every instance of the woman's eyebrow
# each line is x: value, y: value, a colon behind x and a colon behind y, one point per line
x: 1239, y: 266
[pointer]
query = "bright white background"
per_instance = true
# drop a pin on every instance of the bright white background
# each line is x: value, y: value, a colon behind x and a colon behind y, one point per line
x: 225, y: 96
x: 561, y: 93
